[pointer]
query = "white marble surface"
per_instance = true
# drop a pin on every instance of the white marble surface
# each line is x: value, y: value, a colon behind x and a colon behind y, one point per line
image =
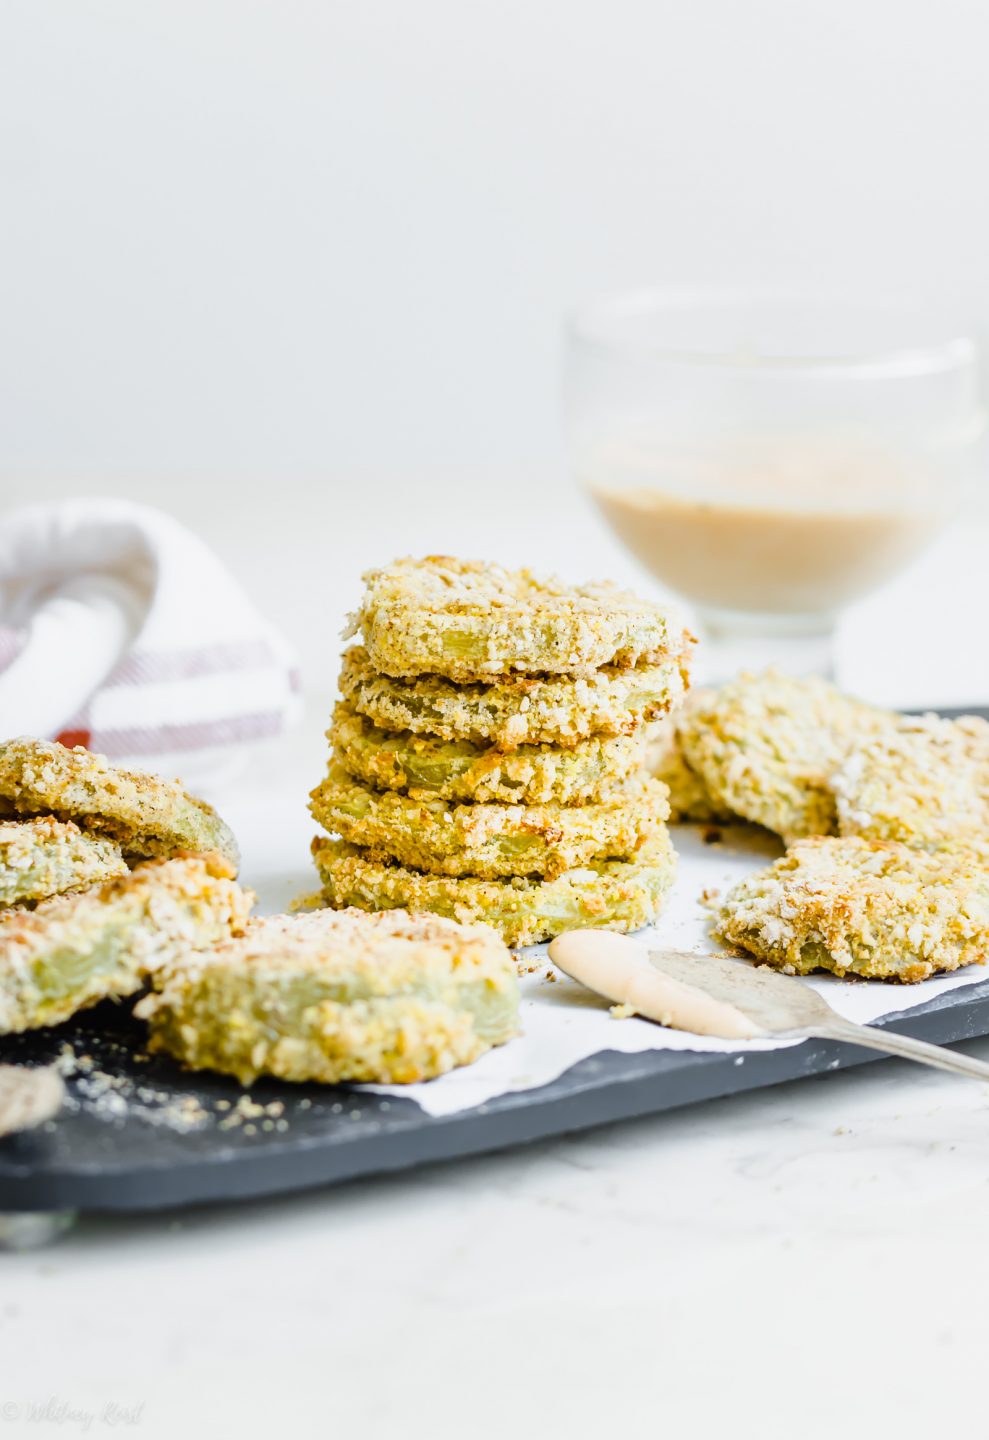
x: 801, y: 1262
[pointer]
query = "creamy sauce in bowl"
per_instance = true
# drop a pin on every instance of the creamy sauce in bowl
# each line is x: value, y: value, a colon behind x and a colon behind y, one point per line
x: 789, y: 527
x: 758, y: 558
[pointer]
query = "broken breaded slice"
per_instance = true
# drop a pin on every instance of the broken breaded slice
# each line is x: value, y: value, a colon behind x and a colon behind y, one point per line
x: 766, y: 747
x: 148, y: 817
x: 466, y: 619
x: 44, y: 857
x: 336, y: 996
x: 74, y: 950
x: 921, y: 780
x: 861, y: 907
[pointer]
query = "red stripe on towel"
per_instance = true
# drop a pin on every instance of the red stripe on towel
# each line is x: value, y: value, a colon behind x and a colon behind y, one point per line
x: 74, y: 737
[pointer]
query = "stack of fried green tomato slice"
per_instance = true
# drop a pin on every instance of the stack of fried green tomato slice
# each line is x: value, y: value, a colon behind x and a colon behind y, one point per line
x: 487, y: 754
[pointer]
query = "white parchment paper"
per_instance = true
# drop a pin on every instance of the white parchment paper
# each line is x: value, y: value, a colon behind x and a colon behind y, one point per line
x: 563, y: 1023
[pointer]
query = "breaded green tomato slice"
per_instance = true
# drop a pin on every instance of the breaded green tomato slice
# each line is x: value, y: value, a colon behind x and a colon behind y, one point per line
x: 333, y: 997
x: 147, y: 816
x: 514, y: 710
x: 922, y: 780
x: 766, y: 746
x: 862, y: 907
x: 44, y: 857
x: 690, y: 799
x: 610, y: 894
x: 74, y: 950
x: 491, y: 841
x: 459, y: 770
x: 466, y: 619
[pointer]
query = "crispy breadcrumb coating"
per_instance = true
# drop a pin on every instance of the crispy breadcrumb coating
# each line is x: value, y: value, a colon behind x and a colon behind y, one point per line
x: 147, y: 816
x: 766, y: 747
x: 921, y: 780
x: 514, y: 710
x: 44, y: 857
x: 862, y: 907
x: 459, y: 770
x: 612, y: 894
x: 466, y: 619
x: 74, y: 950
x: 488, y: 841
x: 690, y: 799
x: 338, y: 996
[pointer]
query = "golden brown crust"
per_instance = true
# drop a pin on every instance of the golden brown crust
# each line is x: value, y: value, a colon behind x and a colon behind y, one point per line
x: 609, y: 894
x: 690, y: 799
x: 467, y: 619
x: 489, y: 841
x: 44, y: 856
x: 147, y: 816
x: 458, y: 770
x: 766, y: 747
x: 76, y: 949
x: 339, y: 996
x: 514, y: 710
x: 922, y: 780
x: 862, y: 907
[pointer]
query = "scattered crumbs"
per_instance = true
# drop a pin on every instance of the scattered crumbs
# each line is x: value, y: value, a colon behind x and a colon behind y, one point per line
x: 250, y: 1116
x: 710, y: 896
x: 248, y: 1108
x: 527, y: 964
x: 118, y: 1097
x: 621, y: 1012
x: 551, y: 977
x: 841, y: 1129
x: 712, y: 835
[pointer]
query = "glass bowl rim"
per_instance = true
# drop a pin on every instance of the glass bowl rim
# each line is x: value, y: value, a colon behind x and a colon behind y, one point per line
x: 588, y: 324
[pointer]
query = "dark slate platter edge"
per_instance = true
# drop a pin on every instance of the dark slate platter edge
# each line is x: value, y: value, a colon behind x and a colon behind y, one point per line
x: 599, y: 1090
x: 395, y: 1134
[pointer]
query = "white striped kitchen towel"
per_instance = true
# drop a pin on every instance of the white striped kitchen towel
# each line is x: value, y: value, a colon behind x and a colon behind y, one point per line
x: 122, y: 631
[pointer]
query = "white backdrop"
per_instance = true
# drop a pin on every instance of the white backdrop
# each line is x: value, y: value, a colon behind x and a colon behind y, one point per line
x: 295, y: 269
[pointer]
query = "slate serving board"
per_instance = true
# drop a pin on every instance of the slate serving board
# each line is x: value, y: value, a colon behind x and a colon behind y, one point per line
x: 137, y: 1160
x: 141, y: 1134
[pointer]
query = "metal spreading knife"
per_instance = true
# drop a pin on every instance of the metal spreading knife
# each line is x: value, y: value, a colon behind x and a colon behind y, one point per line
x: 733, y: 999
